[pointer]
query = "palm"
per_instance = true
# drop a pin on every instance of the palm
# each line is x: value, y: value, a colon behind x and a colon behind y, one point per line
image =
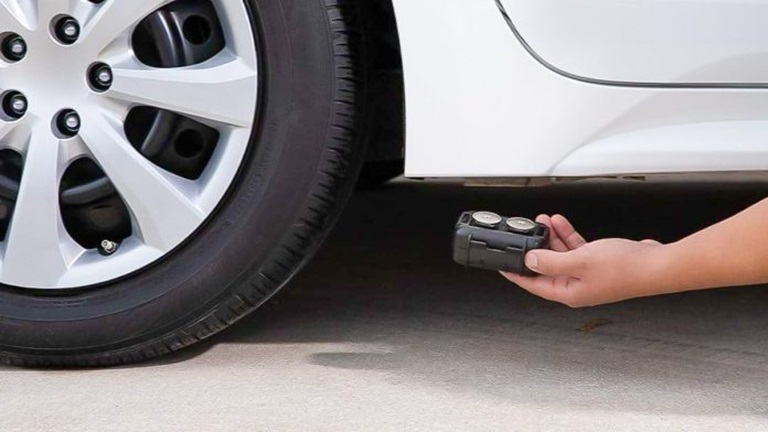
x: 578, y: 273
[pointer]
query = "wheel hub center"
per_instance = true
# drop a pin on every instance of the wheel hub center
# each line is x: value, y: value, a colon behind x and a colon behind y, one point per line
x: 51, y: 75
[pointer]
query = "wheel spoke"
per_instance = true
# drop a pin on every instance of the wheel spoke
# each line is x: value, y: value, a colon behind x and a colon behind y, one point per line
x: 218, y: 90
x: 164, y: 214
x: 16, y: 15
x: 47, y: 9
x: 14, y: 136
x: 114, y: 18
x: 38, y: 251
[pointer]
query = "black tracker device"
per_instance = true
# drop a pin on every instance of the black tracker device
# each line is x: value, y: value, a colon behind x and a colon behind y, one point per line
x: 488, y: 241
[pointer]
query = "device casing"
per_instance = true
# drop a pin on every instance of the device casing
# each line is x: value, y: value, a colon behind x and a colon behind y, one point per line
x: 497, y: 248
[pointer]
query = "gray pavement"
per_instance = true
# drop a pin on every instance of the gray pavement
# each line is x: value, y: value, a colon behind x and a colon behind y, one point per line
x: 383, y: 332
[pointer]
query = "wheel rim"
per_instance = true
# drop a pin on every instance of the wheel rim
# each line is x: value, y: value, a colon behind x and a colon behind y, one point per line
x: 76, y: 100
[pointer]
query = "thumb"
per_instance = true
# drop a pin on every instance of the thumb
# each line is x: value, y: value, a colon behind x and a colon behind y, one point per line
x: 550, y: 263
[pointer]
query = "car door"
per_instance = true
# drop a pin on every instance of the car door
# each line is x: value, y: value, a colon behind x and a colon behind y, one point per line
x: 648, y: 42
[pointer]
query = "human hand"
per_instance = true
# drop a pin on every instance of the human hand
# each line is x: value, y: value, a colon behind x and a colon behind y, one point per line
x: 578, y: 274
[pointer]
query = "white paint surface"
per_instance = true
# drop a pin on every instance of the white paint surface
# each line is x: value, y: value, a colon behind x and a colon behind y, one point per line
x: 479, y: 105
x: 658, y: 41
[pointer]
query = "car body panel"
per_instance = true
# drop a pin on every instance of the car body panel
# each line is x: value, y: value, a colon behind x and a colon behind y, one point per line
x: 649, y: 41
x: 478, y: 104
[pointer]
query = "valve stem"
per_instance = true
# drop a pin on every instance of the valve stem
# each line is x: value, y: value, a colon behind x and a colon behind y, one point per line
x: 108, y: 247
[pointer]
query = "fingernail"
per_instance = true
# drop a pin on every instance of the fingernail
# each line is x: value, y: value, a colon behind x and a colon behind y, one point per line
x: 531, y: 261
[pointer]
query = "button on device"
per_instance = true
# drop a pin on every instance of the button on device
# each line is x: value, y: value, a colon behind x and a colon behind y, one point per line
x: 487, y: 219
x: 521, y: 225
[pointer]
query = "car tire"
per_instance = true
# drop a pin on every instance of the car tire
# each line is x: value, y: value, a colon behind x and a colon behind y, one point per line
x: 301, y: 166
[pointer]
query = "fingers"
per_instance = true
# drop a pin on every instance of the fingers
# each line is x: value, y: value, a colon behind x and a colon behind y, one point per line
x: 555, y: 242
x: 563, y: 236
x: 553, y: 263
x: 567, y: 233
x: 544, y: 219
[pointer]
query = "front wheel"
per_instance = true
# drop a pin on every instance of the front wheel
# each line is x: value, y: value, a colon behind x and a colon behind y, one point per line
x: 165, y: 166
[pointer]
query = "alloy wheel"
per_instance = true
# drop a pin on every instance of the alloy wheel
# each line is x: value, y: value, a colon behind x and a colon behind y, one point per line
x: 122, y: 126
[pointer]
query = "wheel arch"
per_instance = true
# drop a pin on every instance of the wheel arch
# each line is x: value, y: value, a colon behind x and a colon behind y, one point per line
x: 386, y: 95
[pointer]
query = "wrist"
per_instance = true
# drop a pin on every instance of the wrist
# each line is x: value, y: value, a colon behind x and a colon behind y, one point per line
x: 679, y: 267
x: 662, y: 270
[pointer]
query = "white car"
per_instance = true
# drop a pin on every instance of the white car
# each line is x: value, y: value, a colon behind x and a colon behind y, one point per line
x: 166, y: 166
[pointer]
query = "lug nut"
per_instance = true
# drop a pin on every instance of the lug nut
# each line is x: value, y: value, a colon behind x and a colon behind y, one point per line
x: 100, y: 76
x: 14, y: 47
x: 19, y: 104
x: 108, y: 247
x: 68, y: 123
x: 72, y: 121
x: 17, y: 47
x: 67, y: 30
x: 15, y: 105
x: 104, y: 76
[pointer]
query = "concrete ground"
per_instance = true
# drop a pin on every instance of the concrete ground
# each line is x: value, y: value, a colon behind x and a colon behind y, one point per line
x: 383, y: 332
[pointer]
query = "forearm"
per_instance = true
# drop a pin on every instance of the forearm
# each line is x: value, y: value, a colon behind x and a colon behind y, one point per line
x: 731, y: 253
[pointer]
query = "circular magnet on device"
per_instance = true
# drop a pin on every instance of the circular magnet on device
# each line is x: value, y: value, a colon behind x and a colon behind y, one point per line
x: 488, y: 219
x: 521, y: 225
